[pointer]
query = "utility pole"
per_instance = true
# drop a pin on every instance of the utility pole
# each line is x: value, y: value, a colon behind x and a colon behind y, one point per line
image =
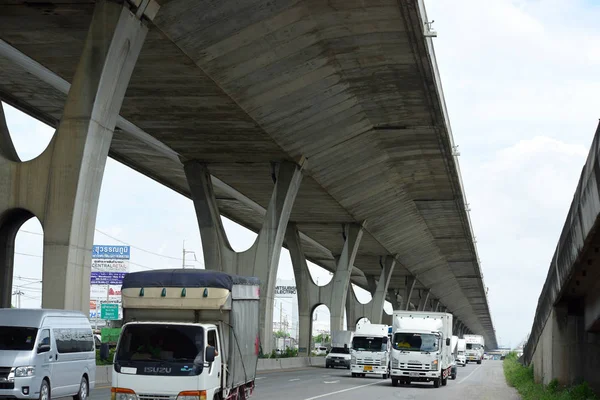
x: 18, y: 293
x: 183, y: 265
x: 281, y: 316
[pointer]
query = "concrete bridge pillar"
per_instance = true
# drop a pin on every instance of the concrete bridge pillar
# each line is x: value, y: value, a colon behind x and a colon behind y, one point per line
x: 424, y: 300
x: 408, y: 291
x: 262, y: 259
x: 333, y: 295
x: 61, y: 187
x: 372, y: 310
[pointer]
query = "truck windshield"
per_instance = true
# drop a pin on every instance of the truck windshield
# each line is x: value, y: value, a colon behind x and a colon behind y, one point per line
x: 157, y: 349
x: 416, y: 342
x: 340, y: 350
x: 17, y: 338
x: 473, y: 346
x: 369, y: 343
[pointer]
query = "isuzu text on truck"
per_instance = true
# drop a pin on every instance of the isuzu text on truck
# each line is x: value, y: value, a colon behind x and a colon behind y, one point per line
x: 421, y: 347
x: 339, y: 356
x: 371, y: 351
x: 188, y: 335
x: 475, y: 347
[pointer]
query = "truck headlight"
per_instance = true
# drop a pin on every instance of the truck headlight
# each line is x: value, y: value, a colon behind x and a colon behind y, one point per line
x: 192, y: 395
x: 21, y: 372
x: 352, y: 360
x: 383, y: 360
x: 434, y: 364
x: 122, y: 394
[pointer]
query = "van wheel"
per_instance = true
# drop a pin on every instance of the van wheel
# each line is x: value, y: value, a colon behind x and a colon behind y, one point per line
x: 83, y: 390
x: 45, y: 390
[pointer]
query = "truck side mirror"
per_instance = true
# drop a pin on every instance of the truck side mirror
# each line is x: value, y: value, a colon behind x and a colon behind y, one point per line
x: 210, y: 354
x: 447, y: 341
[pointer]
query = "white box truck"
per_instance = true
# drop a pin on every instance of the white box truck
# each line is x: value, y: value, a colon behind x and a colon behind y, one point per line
x: 461, y: 357
x: 339, y: 355
x: 475, y: 348
x: 188, y: 335
x: 370, y: 354
x: 421, y: 347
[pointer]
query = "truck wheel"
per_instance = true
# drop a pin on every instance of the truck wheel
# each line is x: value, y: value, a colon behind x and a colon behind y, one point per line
x: 394, y: 381
x: 444, y: 381
x: 436, y: 383
x: 478, y: 361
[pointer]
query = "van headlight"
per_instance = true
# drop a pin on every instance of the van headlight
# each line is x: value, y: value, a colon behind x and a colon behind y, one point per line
x: 21, y: 372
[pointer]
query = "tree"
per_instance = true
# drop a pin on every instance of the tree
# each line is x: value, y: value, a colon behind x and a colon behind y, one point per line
x: 281, y: 334
x: 321, y: 338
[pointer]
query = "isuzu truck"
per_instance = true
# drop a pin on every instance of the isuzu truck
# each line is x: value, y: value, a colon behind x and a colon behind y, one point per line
x: 187, y: 335
x: 339, y: 355
x: 475, y: 347
x: 421, y: 347
x: 370, y: 353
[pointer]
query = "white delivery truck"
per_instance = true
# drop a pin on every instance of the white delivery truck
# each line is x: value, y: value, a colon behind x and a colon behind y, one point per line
x: 188, y: 334
x: 370, y: 354
x: 475, y: 347
x: 339, y: 356
x: 421, y: 347
x: 461, y: 357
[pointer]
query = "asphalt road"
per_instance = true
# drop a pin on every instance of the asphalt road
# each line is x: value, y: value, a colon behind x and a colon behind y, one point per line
x: 481, y: 382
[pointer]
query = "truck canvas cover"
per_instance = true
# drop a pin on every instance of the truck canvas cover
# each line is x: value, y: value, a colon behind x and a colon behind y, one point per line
x: 189, y: 278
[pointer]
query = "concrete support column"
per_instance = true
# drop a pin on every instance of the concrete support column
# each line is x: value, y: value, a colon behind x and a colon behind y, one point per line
x: 341, y: 277
x: 408, y: 290
x: 333, y: 294
x: 262, y: 259
x: 423, y: 301
x: 61, y: 187
x: 372, y: 310
x: 395, y: 299
x: 437, y: 306
x: 378, y: 301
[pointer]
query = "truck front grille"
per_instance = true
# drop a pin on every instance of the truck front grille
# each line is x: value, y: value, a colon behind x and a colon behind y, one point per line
x: 414, y: 366
x: 156, y: 397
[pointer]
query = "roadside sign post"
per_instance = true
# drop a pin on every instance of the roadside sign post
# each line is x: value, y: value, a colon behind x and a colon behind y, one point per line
x: 109, y: 311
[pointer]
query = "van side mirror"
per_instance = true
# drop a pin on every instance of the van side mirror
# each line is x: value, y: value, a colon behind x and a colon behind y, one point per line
x: 447, y: 341
x: 210, y: 354
x: 43, y: 348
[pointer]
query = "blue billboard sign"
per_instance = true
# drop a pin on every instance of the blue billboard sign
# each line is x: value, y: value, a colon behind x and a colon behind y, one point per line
x: 111, y: 252
x: 107, y: 278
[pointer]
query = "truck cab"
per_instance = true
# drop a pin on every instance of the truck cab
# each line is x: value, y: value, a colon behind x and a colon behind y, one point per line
x: 421, y: 347
x: 370, y: 354
x: 475, y: 348
x: 188, y: 334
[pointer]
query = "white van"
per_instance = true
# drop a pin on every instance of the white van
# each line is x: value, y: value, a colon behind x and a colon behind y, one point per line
x: 46, y: 353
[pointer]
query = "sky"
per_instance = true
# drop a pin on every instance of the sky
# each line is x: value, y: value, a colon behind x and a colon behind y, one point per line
x: 520, y: 80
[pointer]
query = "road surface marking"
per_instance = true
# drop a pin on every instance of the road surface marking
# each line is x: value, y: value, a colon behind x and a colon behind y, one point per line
x: 344, y: 390
x: 259, y: 378
x: 295, y: 379
x: 331, y: 381
x: 467, y: 377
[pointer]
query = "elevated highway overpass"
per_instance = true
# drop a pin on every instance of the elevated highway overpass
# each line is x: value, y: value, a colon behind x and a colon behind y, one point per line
x: 329, y: 116
x: 564, y: 342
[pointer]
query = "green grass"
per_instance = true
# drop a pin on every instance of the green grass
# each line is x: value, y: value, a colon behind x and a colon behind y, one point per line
x: 521, y: 378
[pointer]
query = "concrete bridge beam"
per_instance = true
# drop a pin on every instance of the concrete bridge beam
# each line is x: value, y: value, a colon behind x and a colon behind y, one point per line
x: 262, y: 259
x: 61, y: 187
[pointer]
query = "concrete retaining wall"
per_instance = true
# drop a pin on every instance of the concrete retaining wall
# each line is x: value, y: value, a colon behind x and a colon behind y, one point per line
x: 104, y: 372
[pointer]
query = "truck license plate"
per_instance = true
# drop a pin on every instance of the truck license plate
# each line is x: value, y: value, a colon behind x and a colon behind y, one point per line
x: 368, y: 368
x: 413, y: 374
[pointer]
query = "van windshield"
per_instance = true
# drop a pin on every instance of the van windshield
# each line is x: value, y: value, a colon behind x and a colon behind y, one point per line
x: 17, y: 338
x: 156, y: 349
x: 340, y: 350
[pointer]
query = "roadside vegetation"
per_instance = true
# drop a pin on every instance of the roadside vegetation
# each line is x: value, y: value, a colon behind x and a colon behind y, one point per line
x: 521, y: 378
x: 111, y: 354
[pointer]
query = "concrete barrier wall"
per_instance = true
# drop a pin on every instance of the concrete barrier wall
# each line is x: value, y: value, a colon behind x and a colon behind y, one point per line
x: 104, y: 372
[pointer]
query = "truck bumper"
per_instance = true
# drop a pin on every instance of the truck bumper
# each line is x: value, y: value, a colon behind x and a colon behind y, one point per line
x: 369, y: 369
x: 415, y: 376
